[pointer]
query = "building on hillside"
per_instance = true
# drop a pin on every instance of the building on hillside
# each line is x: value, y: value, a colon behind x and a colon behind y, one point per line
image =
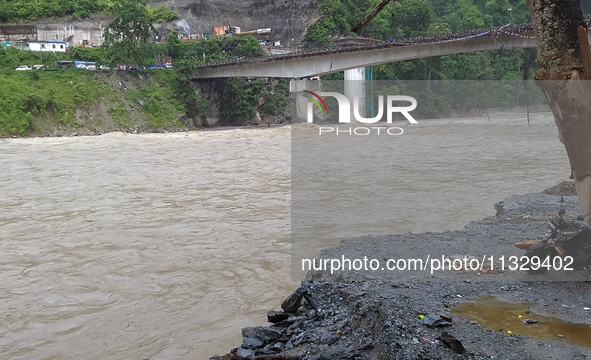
x: 87, y: 32
x: 226, y: 30
x: 42, y: 45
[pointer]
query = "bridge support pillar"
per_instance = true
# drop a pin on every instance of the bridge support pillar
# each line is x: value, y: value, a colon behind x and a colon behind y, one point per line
x: 355, y: 89
x: 302, y: 104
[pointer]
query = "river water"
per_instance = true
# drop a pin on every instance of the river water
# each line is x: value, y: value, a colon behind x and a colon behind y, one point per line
x: 162, y: 246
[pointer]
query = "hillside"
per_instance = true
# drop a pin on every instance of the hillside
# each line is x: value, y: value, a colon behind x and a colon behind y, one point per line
x: 289, y: 19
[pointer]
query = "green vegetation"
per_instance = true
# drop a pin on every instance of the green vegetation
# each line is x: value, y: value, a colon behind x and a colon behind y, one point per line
x: 161, y: 14
x: 410, y: 18
x: 127, y: 36
x: 407, y: 18
x: 242, y: 98
x: 441, y: 98
x: 45, y: 100
x: 98, y: 55
x: 15, y: 10
x: 38, y: 95
x: 42, y: 101
x: 11, y: 58
x: 159, y: 103
x: 216, y: 49
x: 28, y: 10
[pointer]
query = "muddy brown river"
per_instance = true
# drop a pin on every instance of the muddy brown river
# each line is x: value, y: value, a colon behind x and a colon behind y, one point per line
x: 162, y: 246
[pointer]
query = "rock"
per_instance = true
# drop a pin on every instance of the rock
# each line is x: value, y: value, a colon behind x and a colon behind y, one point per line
x: 244, y: 353
x: 302, y: 310
x: 435, y: 321
x: 252, y: 343
x: 273, y: 348
x: 292, y: 303
x: 328, y: 338
x: 452, y: 342
x: 210, y: 122
x: 265, y: 334
x: 446, y: 317
x: 338, y: 353
x: 499, y: 207
x: 297, y: 320
x: 276, y: 316
x: 564, y: 188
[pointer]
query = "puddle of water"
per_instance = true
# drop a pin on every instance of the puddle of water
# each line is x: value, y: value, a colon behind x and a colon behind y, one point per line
x: 504, y: 316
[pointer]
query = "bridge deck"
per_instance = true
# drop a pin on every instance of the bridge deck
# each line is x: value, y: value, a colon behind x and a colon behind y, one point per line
x: 310, y: 64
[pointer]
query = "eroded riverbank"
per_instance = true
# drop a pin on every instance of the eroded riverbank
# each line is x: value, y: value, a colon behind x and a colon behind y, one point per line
x: 360, y: 315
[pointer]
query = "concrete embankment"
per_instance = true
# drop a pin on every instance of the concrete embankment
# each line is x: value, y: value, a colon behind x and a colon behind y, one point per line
x: 376, y: 319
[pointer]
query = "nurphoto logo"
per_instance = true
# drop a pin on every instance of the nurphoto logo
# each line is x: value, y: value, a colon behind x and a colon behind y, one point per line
x: 345, y: 113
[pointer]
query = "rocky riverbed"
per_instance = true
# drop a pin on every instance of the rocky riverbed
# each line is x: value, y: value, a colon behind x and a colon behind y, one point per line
x: 365, y: 317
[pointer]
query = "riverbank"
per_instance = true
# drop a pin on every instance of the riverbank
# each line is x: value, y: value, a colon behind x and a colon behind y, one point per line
x: 360, y: 319
x: 78, y: 102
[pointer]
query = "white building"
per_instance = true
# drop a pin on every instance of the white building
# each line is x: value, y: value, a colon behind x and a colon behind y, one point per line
x: 43, y: 45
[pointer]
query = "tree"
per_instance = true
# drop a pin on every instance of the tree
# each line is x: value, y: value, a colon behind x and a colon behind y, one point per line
x: 317, y: 34
x: 412, y: 17
x: 127, y: 36
x: 173, y: 44
x: 564, y: 59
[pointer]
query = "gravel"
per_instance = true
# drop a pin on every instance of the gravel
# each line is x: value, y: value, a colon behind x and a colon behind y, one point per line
x: 377, y: 316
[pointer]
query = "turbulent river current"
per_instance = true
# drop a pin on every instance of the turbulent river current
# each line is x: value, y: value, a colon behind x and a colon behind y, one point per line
x: 162, y: 246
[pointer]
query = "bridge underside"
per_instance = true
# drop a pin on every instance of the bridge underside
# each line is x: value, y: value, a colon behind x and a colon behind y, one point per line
x: 305, y: 66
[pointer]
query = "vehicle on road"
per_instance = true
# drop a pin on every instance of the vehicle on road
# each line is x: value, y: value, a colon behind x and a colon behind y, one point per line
x: 90, y: 66
x: 23, y: 68
x: 104, y: 68
x: 63, y: 64
x: 37, y: 67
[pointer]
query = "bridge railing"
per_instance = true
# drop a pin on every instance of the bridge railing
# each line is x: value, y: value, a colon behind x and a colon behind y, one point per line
x: 521, y: 30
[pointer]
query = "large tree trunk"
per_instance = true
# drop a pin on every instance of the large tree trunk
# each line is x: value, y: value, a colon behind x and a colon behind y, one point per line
x: 564, y: 61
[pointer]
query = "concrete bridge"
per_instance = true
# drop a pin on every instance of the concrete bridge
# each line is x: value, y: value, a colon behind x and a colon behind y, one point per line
x: 307, y: 65
x: 304, y: 68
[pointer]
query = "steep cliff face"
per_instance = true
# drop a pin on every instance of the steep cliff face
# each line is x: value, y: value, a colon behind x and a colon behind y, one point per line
x: 289, y: 19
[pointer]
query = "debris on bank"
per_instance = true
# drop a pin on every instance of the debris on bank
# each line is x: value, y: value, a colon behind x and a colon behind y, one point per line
x: 566, y: 188
x: 360, y: 319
